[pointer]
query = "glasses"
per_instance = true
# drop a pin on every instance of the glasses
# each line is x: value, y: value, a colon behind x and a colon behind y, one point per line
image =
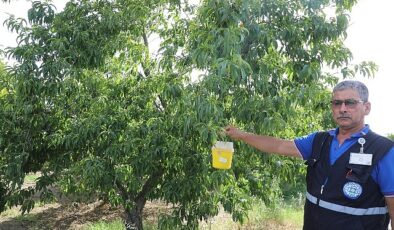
x: 349, y: 103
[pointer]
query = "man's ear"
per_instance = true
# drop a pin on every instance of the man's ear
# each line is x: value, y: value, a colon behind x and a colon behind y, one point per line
x: 367, y: 106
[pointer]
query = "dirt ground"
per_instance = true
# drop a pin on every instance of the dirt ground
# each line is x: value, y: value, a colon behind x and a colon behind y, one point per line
x: 71, y: 216
x: 57, y: 216
x: 67, y: 214
x: 77, y: 216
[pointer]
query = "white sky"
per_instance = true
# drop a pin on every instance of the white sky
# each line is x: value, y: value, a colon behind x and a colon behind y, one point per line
x: 369, y: 39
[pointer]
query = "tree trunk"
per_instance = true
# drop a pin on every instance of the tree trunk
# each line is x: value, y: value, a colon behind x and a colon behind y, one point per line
x: 2, y: 197
x: 134, y: 216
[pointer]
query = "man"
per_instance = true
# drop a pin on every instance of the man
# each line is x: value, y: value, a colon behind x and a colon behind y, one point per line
x: 350, y: 174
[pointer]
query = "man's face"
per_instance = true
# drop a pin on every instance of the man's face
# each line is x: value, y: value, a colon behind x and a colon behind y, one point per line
x: 349, y: 110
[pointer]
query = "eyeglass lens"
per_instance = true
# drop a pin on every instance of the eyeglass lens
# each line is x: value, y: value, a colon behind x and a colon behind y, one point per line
x: 348, y: 102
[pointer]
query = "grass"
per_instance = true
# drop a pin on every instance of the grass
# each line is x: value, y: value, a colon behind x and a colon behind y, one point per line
x: 284, y: 217
x: 13, y: 212
x: 287, y: 215
x: 31, y: 177
x: 295, y: 216
x: 103, y: 225
x: 113, y: 225
x: 27, y: 217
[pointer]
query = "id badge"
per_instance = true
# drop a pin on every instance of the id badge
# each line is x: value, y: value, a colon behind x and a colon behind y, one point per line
x: 360, y: 159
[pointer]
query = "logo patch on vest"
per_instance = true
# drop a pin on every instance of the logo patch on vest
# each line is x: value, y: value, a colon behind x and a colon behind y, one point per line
x: 352, y: 190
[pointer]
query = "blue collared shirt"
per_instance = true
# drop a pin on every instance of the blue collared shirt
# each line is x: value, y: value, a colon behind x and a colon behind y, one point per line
x: 383, y: 173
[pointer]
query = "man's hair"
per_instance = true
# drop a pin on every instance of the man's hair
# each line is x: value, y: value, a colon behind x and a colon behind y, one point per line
x: 358, y: 86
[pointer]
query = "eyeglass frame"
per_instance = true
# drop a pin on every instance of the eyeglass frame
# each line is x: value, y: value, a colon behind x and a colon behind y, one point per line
x: 349, y: 103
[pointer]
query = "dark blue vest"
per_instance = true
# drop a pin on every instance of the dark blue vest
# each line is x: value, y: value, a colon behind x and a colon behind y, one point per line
x: 343, y: 195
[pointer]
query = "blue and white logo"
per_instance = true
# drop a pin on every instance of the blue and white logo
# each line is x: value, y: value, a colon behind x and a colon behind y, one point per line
x: 352, y: 190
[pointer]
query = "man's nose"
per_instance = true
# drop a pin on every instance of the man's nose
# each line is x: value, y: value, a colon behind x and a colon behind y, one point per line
x: 343, y: 107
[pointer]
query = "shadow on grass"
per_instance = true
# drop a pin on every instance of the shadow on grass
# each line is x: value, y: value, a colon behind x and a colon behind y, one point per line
x: 72, y: 216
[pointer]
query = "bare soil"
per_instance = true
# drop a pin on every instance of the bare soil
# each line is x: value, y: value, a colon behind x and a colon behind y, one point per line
x: 56, y: 216
x: 72, y: 216
x: 78, y: 216
x: 67, y: 214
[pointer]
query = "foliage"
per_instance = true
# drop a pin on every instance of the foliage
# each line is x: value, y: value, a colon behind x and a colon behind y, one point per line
x: 97, y: 109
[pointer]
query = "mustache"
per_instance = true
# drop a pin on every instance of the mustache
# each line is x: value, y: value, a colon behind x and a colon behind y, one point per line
x: 343, y: 116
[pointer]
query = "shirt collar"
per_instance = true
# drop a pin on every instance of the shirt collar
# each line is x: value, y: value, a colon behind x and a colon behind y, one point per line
x: 363, y: 132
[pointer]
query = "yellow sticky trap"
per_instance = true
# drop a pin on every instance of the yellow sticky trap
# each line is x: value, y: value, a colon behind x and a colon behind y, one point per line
x: 222, y: 155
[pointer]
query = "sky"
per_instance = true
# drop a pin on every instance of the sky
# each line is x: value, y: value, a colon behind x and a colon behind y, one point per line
x: 369, y: 39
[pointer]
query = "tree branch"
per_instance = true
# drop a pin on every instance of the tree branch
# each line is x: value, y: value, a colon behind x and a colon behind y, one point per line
x: 152, y: 181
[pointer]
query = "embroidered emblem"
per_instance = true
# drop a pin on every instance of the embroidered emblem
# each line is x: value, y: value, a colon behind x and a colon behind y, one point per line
x: 352, y: 190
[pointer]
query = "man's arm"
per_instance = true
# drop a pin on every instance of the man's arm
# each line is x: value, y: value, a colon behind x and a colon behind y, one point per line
x: 390, y: 207
x: 264, y: 143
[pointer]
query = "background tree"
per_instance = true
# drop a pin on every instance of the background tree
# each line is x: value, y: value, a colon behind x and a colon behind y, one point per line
x: 100, y: 111
x: 3, y: 93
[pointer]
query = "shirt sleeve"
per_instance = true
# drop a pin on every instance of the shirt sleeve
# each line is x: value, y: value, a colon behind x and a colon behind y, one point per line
x: 383, y: 174
x: 304, y: 145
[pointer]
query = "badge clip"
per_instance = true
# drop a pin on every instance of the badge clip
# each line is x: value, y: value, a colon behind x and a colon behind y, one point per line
x: 361, y: 141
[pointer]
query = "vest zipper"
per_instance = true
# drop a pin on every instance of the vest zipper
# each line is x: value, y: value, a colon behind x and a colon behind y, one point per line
x: 321, y: 191
x: 322, y: 186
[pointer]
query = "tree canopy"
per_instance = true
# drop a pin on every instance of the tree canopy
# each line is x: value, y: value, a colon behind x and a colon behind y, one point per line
x: 123, y: 99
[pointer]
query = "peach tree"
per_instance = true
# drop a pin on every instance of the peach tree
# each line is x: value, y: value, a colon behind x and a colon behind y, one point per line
x: 122, y: 100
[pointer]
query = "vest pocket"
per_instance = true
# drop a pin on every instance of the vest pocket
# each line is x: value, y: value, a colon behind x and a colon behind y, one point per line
x: 358, y: 173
